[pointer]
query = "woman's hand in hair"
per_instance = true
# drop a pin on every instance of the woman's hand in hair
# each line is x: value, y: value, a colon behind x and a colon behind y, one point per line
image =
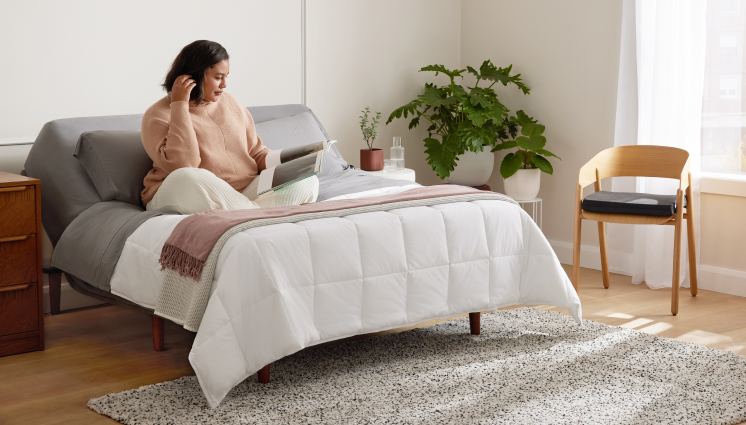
x: 182, y: 88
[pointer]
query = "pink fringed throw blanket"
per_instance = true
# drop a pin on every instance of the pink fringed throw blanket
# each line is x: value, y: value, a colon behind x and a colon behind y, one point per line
x: 189, y: 245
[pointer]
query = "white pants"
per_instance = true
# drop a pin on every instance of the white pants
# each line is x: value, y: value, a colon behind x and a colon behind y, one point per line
x: 192, y: 190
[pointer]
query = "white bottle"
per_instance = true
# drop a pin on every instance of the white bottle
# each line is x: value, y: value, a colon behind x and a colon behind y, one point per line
x: 397, y: 153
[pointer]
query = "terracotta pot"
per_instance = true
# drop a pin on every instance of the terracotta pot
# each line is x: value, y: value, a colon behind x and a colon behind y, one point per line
x: 371, y: 160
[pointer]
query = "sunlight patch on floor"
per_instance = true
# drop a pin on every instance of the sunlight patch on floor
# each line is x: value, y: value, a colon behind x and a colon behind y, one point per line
x: 620, y: 316
x: 635, y: 323
x: 656, y: 328
x: 704, y: 337
x: 738, y: 349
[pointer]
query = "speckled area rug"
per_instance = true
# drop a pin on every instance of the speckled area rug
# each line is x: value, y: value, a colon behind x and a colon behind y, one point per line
x: 529, y: 366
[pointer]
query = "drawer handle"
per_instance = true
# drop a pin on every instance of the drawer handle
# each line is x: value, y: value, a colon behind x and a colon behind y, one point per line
x: 14, y: 238
x: 14, y: 287
x: 14, y: 189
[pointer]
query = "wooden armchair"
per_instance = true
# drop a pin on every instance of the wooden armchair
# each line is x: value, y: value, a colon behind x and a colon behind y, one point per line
x: 633, y: 208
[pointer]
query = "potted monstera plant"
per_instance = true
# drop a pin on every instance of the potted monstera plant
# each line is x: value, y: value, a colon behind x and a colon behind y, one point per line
x: 467, y: 124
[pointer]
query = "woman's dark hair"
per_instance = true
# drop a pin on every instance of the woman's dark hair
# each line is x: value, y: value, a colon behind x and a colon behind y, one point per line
x: 195, y: 59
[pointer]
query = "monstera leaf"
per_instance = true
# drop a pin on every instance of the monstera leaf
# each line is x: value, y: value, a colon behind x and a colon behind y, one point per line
x: 522, y: 119
x: 437, y: 98
x: 488, y: 71
x: 475, y: 138
x: 442, y: 156
x: 440, y: 68
x: 409, y: 108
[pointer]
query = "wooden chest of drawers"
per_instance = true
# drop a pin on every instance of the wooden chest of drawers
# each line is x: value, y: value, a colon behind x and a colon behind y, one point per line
x: 21, y: 302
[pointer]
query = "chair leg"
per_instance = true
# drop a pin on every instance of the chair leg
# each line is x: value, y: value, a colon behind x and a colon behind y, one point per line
x: 576, y: 242
x: 691, y: 247
x: 604, y: 258
x: 158, y: 333
x: 474, y: 322
x: 677, y: 256
x: 263, y: 375
x: 55, y: 289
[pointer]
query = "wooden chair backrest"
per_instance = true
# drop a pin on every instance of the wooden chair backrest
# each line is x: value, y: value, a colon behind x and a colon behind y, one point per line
x: 637, y: 161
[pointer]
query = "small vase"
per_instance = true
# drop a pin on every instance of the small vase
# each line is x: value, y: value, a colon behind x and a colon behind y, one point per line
x: 371, y: 160
x: 524, y: 185
x: 396, y: 153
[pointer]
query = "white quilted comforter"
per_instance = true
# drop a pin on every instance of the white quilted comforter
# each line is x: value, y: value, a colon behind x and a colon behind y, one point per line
x: 280, y: 288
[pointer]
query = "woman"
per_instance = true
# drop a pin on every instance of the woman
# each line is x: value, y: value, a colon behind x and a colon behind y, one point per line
x: 203, y: 142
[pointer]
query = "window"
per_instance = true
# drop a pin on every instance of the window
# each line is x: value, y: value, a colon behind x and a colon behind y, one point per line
x: 726, y: 6
x: 723, y: 107
x: 729, y: 87
x: 728, y: 46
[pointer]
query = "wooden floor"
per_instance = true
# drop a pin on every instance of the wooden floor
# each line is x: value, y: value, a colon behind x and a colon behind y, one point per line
x: 96, y: 351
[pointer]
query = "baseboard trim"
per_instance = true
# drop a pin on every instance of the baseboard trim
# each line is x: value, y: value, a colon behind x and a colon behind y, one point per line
x: 723, y: 280
x: 18, y: 141
x: 717, y: 279
x: 69, y: 297
x: 590, y: 257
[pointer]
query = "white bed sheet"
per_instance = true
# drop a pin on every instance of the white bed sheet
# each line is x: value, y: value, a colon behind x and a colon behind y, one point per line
x: 280, y: 288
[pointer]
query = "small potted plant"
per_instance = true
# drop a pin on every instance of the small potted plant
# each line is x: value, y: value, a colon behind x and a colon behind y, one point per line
x: 370, y: 159
x: 521, y: 169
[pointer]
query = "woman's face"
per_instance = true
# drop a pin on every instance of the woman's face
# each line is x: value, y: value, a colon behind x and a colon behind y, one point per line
x: 215, y: 81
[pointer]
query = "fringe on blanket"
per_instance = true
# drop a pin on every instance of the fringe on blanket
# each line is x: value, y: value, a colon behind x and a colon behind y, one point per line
x: 180, y: 261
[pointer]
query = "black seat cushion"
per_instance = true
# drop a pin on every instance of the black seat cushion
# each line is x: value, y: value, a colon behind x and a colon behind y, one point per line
x: 631, y: 203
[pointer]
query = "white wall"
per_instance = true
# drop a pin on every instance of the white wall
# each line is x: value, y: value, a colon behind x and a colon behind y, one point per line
x: 568, y: 54
x: 367, y: 53
x: 64, y: 58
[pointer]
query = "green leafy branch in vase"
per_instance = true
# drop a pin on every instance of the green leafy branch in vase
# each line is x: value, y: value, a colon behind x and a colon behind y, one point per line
x: 472, y: 118
x: 369, y: 131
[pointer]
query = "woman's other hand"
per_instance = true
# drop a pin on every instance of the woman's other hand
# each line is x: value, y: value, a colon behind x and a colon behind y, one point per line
x: 182, y: 88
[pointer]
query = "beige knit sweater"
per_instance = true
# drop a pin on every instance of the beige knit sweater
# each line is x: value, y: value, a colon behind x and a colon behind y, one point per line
x: 217, y: 136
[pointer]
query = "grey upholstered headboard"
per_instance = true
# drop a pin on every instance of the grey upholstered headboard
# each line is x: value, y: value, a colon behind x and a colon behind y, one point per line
x: 66, y: 189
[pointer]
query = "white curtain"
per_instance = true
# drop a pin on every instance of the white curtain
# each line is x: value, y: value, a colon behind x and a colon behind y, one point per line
x: 659, y: 102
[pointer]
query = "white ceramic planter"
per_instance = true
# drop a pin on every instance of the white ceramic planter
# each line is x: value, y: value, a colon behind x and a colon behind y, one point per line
x: 523, y: 185
x: 473, y: 169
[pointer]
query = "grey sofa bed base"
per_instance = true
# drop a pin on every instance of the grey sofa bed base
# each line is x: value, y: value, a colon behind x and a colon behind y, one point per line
x: 93, y: 292
x: 158, y: 323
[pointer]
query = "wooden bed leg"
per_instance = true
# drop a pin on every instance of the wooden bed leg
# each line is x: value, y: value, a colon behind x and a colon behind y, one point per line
x: 474, y: 322
x: 263, y: 375
x: 158, y: 333
x: 55, y: 287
